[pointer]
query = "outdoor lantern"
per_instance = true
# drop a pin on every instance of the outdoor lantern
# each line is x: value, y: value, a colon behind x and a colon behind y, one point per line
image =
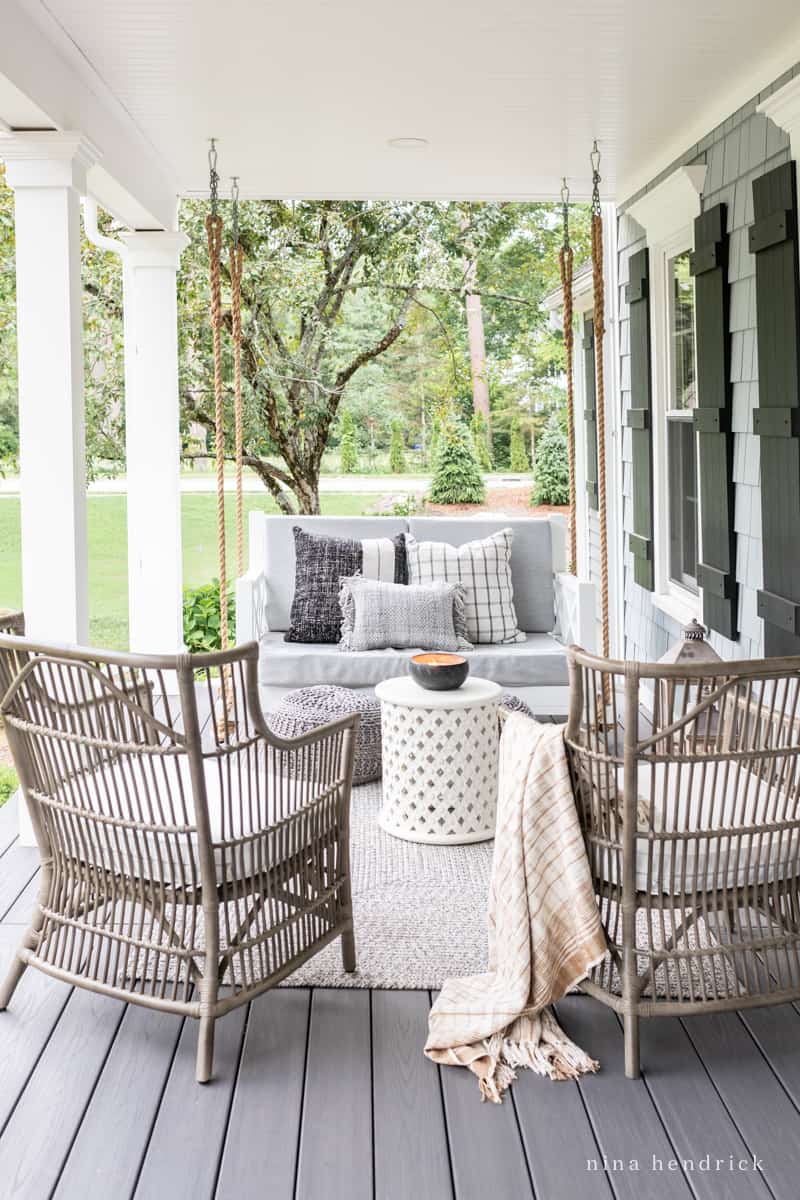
x: 677, y: 697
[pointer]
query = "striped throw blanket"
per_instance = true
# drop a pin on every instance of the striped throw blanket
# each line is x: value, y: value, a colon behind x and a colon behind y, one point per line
x: 544, y: 926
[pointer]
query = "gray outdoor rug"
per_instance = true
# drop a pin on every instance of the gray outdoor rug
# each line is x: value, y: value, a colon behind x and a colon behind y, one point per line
x: 419, y: 911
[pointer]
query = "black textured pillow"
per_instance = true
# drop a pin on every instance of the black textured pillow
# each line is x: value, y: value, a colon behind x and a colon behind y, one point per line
x: 320, y: 563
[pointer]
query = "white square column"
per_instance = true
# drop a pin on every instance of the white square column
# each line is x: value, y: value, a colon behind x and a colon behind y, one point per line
x: 47, y: 172
x: 152, y: 439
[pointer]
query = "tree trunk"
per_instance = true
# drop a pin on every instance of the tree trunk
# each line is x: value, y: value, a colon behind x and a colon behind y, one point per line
x: 477, y: 345
x: 307, y: 493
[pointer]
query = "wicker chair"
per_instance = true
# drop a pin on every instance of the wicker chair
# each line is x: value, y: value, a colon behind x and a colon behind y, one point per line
x: 186, y: 865
x: 692, y: 828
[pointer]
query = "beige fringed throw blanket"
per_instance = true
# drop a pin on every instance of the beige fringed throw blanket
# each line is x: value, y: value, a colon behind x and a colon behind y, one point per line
x: 544, y: 926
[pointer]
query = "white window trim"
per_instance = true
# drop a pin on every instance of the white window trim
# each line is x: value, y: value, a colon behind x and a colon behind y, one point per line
x: 667, y: 215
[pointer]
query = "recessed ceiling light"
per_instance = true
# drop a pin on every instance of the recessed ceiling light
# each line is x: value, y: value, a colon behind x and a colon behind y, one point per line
x: 408, y: 143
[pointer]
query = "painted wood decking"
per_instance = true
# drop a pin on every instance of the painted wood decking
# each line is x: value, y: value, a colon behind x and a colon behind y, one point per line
x: 325, y: 1095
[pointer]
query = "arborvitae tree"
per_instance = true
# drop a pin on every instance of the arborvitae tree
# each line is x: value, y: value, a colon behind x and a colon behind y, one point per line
x: 457, y: 478
x: 518, y: 454
x: 551, y: 482
x: 397, y: 450
x: 480, y: 441
x: 348, y: 451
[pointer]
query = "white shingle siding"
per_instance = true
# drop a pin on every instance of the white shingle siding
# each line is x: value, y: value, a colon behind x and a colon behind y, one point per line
x: 740, y: 150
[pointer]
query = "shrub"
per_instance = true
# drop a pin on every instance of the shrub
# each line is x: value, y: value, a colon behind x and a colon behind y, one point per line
x: 8, y: 783
x: 518, y: 455
x: 433, y: 445
x: 457, y: 478
x: 480, y: 441
x: 551, y: 482
x: 201, y: 617
x: 348, y: 450
x: 397, y: 450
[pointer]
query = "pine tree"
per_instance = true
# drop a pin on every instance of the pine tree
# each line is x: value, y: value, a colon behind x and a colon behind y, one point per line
x: 480, y: 441
x: 551, y: 483
x: 433, y: 445
x: 518, y: 454
x: 348, y: 451
x: 397, y: 450
x: 457, y: 478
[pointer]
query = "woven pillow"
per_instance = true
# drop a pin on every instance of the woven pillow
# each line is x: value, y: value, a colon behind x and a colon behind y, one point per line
x: 320, y: 562
x: 377, y: 615
x: 483, y: 568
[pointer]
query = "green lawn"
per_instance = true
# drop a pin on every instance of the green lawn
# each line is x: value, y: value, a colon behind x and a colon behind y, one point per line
x: 108, y: 574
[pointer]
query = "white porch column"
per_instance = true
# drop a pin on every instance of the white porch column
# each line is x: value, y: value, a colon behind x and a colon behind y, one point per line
x: 48, y: 174
x: 153, y: 440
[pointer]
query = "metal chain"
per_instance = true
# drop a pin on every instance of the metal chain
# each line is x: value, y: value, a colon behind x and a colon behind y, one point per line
x: 565, y: 212
x: 213, y: 177
x: 597, y: 179
x: 235, y: 210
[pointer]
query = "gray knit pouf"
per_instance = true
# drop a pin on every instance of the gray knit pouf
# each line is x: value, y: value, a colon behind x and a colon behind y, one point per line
x: 515, y: 704
x: 310, y: 707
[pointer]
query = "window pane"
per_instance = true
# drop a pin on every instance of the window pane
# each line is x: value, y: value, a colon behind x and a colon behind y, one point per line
x: 682, y: 471
x: 682, y: 334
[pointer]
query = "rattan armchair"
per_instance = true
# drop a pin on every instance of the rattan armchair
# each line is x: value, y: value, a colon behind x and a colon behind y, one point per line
x: 692, y: 825
x: 190, y: 858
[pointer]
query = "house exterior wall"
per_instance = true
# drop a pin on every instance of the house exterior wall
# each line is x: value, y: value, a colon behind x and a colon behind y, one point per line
x: 738, y: 151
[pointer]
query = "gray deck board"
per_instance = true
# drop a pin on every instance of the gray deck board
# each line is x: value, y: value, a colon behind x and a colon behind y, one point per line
x: 335, y: 1154
x: 39, y: 1133
x: 8, y: 823
x: 109, y: 1147
x: 765, y: 1116
x: 18, y: 866
x: 411, y: 1157
x: 625, y: 1120
x: 690, y: 1108
x: 265, y: 1117
x: 183, y: 1155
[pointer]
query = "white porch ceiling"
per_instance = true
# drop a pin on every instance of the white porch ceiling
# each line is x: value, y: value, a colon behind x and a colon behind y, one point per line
x: 304, y: 97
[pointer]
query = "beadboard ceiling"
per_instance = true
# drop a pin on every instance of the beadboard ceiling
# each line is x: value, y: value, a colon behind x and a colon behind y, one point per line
x: 305, y: 96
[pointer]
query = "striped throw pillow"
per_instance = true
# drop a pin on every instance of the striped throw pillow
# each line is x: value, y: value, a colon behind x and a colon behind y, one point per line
x: 483, y: 568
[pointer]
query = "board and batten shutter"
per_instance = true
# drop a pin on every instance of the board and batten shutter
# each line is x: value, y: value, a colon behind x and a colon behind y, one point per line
x: 716, y: 573
x: 638, y: 419
x: 590, y: 410
x: 776, y: 421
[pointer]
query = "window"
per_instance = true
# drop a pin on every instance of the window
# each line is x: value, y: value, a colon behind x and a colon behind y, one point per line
x: 681, y: 441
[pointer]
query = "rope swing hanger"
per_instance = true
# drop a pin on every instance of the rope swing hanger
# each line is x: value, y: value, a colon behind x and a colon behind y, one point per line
x: 598, y: 286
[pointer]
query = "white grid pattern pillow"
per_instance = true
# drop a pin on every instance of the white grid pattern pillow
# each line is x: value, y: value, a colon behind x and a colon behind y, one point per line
x: 483, y: 568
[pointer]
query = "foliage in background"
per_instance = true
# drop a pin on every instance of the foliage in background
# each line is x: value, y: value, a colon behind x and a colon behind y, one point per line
x: 8, y: 783
x: 397, y: 450
x: 456, y: 475
x: 551, y: 477
x: 348, y: 453
x: 480, y: 441
x: 518, y: 454
x: 201, y: 617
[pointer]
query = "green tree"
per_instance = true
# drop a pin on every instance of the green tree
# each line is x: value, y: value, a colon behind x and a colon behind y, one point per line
x: 551, y: 481
x: 397, y: 450
x: 457, y: 478
x: 518, y: 461
x: 480, y: 441
x: 348, y: 450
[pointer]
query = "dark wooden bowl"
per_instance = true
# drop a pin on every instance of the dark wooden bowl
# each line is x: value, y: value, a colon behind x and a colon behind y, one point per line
x: 439, y: 672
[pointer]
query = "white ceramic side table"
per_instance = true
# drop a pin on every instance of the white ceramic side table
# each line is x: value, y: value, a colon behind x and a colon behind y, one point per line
x: 439, y: 761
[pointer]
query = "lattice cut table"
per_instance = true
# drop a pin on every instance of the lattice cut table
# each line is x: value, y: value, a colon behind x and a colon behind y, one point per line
x: 439, y: 761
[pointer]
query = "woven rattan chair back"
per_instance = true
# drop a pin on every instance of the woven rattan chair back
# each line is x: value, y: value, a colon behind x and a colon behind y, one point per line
x: 190, y: 858
x: 688, y: 786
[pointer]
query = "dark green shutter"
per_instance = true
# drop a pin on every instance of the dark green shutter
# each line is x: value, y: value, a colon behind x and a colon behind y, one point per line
x: 637, y: 418
x: 773, y: 241
x: 590, y: 410
x: 716, y: 574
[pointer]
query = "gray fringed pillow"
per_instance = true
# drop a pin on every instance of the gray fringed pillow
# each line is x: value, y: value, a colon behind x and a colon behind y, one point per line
x: 377, y: 615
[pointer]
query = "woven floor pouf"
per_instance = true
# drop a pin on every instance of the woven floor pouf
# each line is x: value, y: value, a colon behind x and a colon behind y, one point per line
x: 309, y: 707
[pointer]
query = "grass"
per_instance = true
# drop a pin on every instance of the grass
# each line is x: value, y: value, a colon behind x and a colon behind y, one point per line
x: 108, y: 571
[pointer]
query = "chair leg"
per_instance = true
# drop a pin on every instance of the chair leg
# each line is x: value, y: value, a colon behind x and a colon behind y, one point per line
x: 205, y: 1050
x: 348, y: 951
x: 631, y: 1025
x: 15, y: 973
